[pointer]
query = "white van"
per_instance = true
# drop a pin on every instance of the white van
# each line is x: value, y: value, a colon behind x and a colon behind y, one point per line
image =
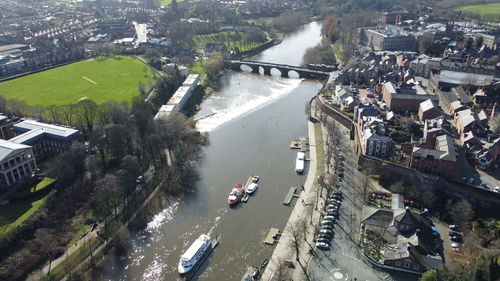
x: 299, y: 163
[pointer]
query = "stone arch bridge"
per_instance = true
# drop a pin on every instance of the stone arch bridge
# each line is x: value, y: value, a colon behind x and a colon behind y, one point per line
x: 285, y: 70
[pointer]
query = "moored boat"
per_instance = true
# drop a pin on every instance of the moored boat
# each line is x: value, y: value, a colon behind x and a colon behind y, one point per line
x: 235, y: 195
x: 252, y: 187
x: 193, y: 254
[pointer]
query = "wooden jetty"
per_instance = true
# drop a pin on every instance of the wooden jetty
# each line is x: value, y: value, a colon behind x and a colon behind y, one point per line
x: 272, y: 236
x: 249, y: 181
x: 290, y: 195
x: 192, y: 272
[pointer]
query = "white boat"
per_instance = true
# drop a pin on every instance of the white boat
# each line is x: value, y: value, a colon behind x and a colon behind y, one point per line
x: 252, y: 187
x: 194, y: 253
x: 299, y: 163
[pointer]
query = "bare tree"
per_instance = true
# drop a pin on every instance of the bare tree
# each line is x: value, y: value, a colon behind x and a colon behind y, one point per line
x: 87, y: 111
x: 47, y: 243
x: 280, y: 271
x: 297, y: 236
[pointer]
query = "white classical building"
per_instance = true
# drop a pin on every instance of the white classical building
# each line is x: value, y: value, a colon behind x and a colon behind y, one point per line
x: 17, y: 162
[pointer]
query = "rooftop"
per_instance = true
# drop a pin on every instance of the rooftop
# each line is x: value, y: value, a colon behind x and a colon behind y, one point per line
x: 464, y: 78
x: 8, y: 147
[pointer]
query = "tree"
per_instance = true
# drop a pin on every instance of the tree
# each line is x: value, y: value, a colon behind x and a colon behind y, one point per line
x: 254, y: 34
x: 47, y: 243
x: 280, y: 271
x: 213, y: 66
x: 87, y: 111
x: 469, y: 43
x: 429, y: 275
x: 297, y: 238
x: 494, y: 124
x: 321, y: 54
x: 479, y: 42
x: 329, y: 28
x: 461, y: 213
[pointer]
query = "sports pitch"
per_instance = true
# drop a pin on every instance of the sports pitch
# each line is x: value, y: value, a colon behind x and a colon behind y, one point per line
x: 100, y: 80
x: 491, y: 10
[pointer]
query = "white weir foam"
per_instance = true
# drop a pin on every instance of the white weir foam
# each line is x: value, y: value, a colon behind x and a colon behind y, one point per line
x: 241, y: 94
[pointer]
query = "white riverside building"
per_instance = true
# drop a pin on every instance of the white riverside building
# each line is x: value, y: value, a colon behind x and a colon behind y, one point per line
x: 179, y: 98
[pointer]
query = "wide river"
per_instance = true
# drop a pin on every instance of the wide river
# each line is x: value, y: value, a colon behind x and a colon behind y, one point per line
x: 255, y: 119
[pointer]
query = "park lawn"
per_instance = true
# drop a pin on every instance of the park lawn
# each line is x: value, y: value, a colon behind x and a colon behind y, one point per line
x: 485, y: 10
x: 222, y: 37
x: 337, y: 49
x: 168, y: 2
x: 100, y: 80
x: 45, y: 182
x: 260, y: 21
x: 13, y: 215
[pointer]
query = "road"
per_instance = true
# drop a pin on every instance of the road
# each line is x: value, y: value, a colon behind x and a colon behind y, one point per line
x: 344, y: 260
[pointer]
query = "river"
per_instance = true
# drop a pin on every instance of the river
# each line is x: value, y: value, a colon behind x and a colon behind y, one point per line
x: 255, y: 119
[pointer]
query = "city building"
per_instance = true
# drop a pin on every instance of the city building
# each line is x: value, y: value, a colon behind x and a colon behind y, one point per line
x: 17, y: 162
x: 410, y: 244
x: 440, y: 161
x: 428, y: 110
x: 373, y: 140
x: 492, y: 40
x: 487, y: 97
x: 178, y: 100
x: 434, y: 128
x: 387, y: 38
x: 406, y: 97
x: 5, y: 127
x: 445, y: 80
x: 468, y: 120
x: 396, y: 17
x: 47, y: 140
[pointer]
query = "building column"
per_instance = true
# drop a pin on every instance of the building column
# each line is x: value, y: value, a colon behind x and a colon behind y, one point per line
x: 6, y: 178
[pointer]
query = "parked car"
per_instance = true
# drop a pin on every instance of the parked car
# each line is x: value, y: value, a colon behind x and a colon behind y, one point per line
x: 322, y: 246
x: 325, y: 235
x: 456, y: 238
x: 323, y: 240
x: 329, y: 218
x: 497, y: 189
x: 327, y: 222
x: 327, y: 227
x: 327, y: 231
x: 456, y: 245
x: 333, y: 213
x: 454, y: 227
x: 485, y: 186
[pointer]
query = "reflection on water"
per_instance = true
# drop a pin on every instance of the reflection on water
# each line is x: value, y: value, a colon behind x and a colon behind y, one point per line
x: 292, y: 49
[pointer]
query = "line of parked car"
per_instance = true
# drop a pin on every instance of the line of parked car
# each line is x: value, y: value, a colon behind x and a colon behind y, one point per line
x: 333, y: 203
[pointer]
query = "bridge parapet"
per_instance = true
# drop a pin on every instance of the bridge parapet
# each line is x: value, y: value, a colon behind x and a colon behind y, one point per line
x: 282, y: 68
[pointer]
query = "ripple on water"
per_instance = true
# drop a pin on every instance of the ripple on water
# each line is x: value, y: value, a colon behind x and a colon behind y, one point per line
x: 162, y: 217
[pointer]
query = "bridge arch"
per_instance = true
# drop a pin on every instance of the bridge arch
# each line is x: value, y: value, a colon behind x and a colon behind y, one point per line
x: 246, y: 68
x: 293, y: 74
x: 275, y: 72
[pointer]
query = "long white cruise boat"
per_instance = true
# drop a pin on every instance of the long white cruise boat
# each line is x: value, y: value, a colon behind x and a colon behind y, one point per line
x: 191, y: 257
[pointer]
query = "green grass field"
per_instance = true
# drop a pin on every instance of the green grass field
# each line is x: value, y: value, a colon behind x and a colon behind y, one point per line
x: 486, y: 11
x: 100, y: 80
x: 13, y: 215
x: 225, y: 37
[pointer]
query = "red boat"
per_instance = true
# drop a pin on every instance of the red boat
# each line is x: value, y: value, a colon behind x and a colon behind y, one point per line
x: 235, y: 195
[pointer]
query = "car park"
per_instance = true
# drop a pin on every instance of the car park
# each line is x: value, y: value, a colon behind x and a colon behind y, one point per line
x: 322, y: 246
